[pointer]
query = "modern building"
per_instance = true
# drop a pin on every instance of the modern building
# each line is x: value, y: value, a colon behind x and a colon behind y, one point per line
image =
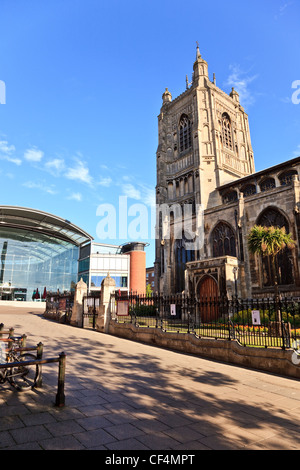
x: 126, y: 264
x: 39, y: 252
x: 205, y: 162
x: 97, y: 259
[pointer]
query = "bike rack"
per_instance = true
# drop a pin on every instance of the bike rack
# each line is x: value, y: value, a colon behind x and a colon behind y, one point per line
x: 21, y: 340
x: 61, y: 359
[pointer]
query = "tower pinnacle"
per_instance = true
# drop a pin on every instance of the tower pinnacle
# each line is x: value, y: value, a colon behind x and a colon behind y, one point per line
x: 198, y: 55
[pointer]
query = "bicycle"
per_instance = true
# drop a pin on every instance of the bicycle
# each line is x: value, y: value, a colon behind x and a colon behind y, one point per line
x: 21, y: 376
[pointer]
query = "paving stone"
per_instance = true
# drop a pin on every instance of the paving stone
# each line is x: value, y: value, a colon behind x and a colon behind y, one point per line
x: 10, y: 422
x: 174, y: 419
x: 121, y: 418
x: 193, y: 445
x: 92, y: 410
x: 6, y: 440
x: 183, y: 434
x: 158, y: 441
x: 61, y: 443
x: 151, y: 425
x: 92, y: 439
x: 29, y: 434
x: 123, y: 431
x: 93, y: 422
x: 62, y: 428
x: 27, y: 446
x: 38, y: 418
x: 127, y: 444
x: 218, y: 442
x: 19, y: 410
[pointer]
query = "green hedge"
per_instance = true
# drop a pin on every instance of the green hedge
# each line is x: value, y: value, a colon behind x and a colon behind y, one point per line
x: 143, y: 310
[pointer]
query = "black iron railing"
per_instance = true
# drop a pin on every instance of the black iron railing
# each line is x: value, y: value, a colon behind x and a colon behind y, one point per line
x: 91, y: 303
x: 59, y: 306
x: 252, y: 322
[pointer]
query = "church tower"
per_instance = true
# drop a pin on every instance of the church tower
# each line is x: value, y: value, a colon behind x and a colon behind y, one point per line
x: 203, y: 143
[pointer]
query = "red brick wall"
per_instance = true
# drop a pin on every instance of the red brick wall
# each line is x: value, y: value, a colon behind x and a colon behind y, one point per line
x: 138, y: 271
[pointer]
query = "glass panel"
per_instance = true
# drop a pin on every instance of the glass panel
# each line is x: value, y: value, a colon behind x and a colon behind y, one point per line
x: 84, y: 265
x: 31, y: 262
x: 96, y: 280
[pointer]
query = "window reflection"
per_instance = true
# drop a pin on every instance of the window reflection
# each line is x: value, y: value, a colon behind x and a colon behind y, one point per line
x: 121, y: 281
x: 33, y: 261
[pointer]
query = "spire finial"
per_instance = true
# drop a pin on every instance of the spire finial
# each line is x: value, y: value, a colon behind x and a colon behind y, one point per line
x: 198, y: 55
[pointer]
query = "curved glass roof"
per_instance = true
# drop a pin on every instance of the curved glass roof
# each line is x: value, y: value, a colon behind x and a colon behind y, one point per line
x: 32, y: 220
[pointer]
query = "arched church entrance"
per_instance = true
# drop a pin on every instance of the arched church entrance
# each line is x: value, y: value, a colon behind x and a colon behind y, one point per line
x: 208, y: 299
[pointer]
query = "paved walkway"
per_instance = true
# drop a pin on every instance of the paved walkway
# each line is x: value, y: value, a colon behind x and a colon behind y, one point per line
x: 122, y: 395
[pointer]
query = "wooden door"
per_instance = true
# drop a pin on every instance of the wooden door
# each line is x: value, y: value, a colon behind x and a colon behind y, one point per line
x: 208, y: 300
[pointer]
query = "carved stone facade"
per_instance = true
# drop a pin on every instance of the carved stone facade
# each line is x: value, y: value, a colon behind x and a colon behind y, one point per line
x: 209, y: 196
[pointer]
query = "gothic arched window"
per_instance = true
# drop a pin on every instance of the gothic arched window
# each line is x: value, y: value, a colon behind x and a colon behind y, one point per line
x: 248, y: 190
x: 226, y: 131
x: 223, y: 241
x: 272, y: 217
x: 185, y: 134
x: 267, y: 184
x: 284, y: 265
x: 287, y: 177
x: 230, y: 196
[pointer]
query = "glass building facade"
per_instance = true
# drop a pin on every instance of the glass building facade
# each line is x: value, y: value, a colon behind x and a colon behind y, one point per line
x: 96, y: 260
x: 38, y: 253
x: 32, y: 262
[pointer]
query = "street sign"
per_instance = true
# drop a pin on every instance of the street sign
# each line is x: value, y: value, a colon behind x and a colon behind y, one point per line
x: 255, y: 317
x: 122, y: 307
x: 173, y: 309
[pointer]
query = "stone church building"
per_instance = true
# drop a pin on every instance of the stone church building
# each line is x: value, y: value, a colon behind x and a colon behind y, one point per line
x: 205, y: 160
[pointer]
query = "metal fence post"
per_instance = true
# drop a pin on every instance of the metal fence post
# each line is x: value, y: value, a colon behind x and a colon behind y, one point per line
x: 23, y: 341
x: 60, y: 396
x: 39, y: 355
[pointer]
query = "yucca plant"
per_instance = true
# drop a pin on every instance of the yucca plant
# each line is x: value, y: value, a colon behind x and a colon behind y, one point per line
x: 269, y: 241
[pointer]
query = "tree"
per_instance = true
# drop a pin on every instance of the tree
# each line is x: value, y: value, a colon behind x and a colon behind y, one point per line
x: 269, y: 241
x: 149, y: 290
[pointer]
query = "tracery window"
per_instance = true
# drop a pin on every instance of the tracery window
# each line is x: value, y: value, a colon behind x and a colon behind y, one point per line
x: 267, y: 184
x: 185, y: 134
x: 248, y: 190
x: 230, y: 196
x: 287, y: 177
x: 226, y: 131
x: 223, y: 240
x: 272, y: 217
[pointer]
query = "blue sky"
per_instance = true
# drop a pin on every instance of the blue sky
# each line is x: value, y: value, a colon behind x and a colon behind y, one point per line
x: 83, y: 85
